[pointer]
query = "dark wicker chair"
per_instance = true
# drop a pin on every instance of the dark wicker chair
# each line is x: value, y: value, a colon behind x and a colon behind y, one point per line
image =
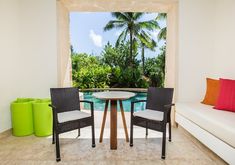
x: 67, y: 115
x: 157, y: 113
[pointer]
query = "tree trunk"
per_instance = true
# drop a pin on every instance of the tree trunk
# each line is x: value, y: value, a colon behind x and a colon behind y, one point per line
x: 131, y: 47
x: 143, y: 59
x: 131, y: 58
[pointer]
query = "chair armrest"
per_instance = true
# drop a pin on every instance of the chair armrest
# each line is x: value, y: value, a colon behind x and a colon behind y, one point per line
x: 55, y: 116
x: 133, y: 103
x: 137, y: 101
x: 169, y: 105
x: 86, y: 101
x: 52, y: 106
x: 91, y: 105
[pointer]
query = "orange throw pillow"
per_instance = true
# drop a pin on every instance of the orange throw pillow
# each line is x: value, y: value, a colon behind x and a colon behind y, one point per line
x: 212, y: 91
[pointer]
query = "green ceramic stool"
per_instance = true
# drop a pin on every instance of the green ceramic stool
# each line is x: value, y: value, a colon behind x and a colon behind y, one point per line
x: 22, y: 117
x: 42, y: 115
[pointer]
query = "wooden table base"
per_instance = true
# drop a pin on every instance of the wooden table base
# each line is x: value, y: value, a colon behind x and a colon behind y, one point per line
x: 104, y: 119
x: 124, y: 121
x: 113, y: 123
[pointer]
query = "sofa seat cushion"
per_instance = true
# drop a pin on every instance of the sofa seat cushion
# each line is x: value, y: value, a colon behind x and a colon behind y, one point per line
x: 72, y: 115
x: 219, y: 123
x: 150, y: 114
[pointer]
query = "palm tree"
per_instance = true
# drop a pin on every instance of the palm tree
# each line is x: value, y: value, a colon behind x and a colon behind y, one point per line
x: 137, y: 30
x: 150, y: 44
x: 162, y: 32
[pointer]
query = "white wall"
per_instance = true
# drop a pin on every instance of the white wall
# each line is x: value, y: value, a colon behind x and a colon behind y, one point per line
x: 206, y: 45
x: 38, y: 46
x: 196, y: 47
x: 28, y: 65
x: 224, y: 56
x: 9, y: 54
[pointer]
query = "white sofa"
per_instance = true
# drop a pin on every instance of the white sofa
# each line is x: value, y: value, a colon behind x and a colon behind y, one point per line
x: 214, y: 128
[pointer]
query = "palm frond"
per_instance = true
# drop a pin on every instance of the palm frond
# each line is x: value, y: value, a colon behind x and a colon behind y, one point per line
x: 161, y: 16
x: 149, y: 25
x: 153, y: 45
x: 120, y: 15
x: 137, y: 15
x: 143, y: 40
x: 146, y: 40
x: 129, y: 15
x: 114, y: 24
x: 136, y: 29
x: 108, y: 26
x: 122, y: 37
x: 162, y: 34
x: 146, y: 35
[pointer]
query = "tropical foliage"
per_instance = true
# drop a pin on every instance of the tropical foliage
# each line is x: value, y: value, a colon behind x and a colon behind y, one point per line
x: 137, y: 30
x: 155, y: 69
x: 162, y: 32
x: 89, y: 72
x: 117, y: 65
x: 122, y: 73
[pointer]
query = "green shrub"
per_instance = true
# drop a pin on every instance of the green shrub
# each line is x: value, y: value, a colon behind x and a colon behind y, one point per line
x: 88, y: 72
x: 112, y: 69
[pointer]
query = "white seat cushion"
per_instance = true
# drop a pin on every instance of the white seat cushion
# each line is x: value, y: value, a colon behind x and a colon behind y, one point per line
x: 150, y: 114
x: 219, y: 123
x: 71, y: 115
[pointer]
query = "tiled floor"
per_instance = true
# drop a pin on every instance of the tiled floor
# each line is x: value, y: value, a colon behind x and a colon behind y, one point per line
x: 184, y: 149
x: 33, y: 150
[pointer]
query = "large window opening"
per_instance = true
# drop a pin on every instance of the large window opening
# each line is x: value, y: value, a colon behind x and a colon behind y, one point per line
x: 67, y: 8
x: 118, y: 49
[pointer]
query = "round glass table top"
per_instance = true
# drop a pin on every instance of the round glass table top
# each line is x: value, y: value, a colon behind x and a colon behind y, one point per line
x: 113, y: 95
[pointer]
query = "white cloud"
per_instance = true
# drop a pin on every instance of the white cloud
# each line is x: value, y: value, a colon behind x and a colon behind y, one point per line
x: 96, y: 38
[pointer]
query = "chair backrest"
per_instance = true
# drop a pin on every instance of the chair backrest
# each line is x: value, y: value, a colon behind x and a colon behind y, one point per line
x: 65, y: 99
x: 158, y: 97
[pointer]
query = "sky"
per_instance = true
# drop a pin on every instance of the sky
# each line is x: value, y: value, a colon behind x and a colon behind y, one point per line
x: 87, y: 34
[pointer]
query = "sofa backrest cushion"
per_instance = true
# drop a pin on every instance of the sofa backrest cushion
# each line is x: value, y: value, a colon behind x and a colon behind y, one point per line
x: 226, y: 98
x: 212, y: 91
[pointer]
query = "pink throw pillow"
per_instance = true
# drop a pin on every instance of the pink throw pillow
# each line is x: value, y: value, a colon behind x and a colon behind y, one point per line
x: 226, y: 98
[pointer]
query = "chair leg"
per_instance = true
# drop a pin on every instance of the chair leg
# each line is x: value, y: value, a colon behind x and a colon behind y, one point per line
x: 176, y: 125
x: 131, y: 134
x: 146, y: 129
x: 53, y: 134
x: 164, y: 143
x: 79, y: 132
x: 93, y: 133
x: 57, y: 147
x: 169, y: 131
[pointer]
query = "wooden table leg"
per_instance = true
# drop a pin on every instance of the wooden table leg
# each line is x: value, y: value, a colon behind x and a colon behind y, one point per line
x: 104, y: 119
x: 124, y: 121
x: 113, y: 125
